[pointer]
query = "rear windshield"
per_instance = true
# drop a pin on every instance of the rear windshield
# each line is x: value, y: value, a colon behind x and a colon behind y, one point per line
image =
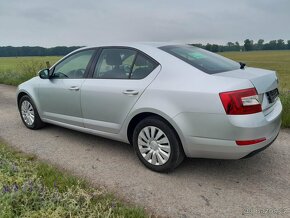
x: 203, y: 60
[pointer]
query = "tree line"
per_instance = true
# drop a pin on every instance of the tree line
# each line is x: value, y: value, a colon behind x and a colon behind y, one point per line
x: 248, y: 45
x: 9, y: 51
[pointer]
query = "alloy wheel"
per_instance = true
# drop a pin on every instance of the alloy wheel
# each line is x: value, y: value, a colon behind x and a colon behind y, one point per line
x: 27, y: 112
x: 154, y: 145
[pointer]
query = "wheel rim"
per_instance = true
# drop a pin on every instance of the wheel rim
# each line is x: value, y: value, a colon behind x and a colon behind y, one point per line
x: 154, y: 145
x: 27, y: 112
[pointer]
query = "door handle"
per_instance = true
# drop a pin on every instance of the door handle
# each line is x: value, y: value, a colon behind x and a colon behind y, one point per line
x: 130, y: 92
x: 75, y: 88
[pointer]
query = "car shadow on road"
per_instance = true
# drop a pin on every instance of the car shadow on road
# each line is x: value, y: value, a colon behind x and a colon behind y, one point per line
x: 255, y: 169
x: 87, y: 140
x: 223, y: 169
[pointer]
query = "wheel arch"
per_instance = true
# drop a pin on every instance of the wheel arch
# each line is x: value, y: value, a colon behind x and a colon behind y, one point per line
x: 142, y: 115
x: 20, y: 95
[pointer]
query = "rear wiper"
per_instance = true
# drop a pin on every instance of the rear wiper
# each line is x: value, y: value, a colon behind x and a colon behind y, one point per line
x: 242, y: 65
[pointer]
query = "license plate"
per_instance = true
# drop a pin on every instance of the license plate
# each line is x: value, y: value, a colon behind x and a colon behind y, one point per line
x: 272, y: 95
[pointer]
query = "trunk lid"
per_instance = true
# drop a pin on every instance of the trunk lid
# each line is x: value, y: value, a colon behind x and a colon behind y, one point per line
x: 265, y: 82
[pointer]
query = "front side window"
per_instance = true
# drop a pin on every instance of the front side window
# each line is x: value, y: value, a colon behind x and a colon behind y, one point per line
x: 74, y: 66
x: 203, y: 60
x: 115, y: 63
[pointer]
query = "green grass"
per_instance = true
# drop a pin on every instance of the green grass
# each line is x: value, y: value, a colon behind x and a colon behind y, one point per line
x: 14, y: 71
x: 285, y: 99
x: 30, y: 188
x: 13, y: 63
x: 278, y: 61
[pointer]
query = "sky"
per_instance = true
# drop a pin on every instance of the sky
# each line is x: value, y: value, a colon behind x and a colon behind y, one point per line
x: 51, y: 23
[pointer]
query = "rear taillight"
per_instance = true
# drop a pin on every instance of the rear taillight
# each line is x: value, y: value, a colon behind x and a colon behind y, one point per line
x: 239, y: 102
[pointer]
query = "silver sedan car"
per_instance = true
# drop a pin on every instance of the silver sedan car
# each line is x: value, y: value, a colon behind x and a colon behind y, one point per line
x: 168, y: 101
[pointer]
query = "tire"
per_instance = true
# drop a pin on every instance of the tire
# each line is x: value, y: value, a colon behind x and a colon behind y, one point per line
x: 155, y: 135
x: 26, y: 109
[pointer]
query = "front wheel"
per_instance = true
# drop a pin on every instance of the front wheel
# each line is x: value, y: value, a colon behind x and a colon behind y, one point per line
x: 29, y: 113
x: 157, y: 144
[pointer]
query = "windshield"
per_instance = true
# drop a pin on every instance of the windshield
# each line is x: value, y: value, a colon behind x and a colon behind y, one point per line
x: 203, y: 60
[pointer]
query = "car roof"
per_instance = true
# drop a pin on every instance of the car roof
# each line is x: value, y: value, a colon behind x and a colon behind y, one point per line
x: 133, y: 44
x: 147, y: 47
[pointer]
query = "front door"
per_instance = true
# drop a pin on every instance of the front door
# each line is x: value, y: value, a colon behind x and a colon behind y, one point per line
x: 60, y: 96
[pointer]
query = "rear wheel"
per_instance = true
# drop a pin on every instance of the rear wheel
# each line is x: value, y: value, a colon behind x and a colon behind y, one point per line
x: 157, y: 144
x: 29, y: 113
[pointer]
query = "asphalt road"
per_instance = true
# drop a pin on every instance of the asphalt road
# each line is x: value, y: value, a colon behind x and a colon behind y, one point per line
x: 198, y: 188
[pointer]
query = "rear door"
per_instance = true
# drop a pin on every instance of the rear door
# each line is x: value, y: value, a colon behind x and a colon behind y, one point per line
x: 119, y: 78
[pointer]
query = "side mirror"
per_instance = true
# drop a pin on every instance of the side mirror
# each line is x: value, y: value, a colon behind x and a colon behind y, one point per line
x: 44, y: 74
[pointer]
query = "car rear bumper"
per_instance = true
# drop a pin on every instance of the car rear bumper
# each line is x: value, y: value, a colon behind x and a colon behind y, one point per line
x: 259, y: 150
x: 215, y: 135
x: 223, y: 149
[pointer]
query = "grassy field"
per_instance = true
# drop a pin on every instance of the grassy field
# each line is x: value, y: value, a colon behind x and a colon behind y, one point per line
x: 278, y: 61
x: 15, y: 63
x: 30, y: 188
x: 16, y: 70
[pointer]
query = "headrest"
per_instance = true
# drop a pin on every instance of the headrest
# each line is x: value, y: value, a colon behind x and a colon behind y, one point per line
x: 113, y: 58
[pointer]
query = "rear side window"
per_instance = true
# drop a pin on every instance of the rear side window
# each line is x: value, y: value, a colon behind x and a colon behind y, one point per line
x: 123, y: 63
x: 142, y: 67
x: 115, y: 63
x: 201, y: 59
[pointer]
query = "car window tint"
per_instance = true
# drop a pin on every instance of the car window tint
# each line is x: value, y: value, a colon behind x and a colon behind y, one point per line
x: 203, y: 60
x: 74, y: 66
x: 142, y: 67
x: 115, y: 63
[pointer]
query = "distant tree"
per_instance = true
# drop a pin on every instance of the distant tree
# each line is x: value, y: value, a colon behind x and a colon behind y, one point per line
x: 260, y: 44
x: 208, y: 47
x: 229, y: 47
x: 199, y: 45
x: 230, y: 44
x: 267, y: 46
x: 8, y: 51
x: 214, y: 48
x: 248, y: 44
x: 237, y: 46
x: 261, y: 41
x: 280, y: 44
x: 273, y: 44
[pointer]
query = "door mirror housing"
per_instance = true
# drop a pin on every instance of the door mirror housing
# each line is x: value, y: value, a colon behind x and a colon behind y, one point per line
x: 44, y: 74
